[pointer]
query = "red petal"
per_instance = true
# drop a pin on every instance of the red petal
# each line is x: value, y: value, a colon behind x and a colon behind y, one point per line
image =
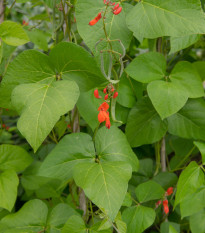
x: 116, y: 6
x: 93, y: 22
x: 103, y: 107
x: 102, y: 116
x: 116, y: 12
x: 115, y: 95
x: 169, y: 191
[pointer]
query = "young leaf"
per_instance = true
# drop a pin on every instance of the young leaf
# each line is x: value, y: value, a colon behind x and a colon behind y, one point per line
x: 14, y: 157
x: 190, y: 180
x: 142, y: 120
x: 167, y: 98
x: 147, y: 67
x: 112, y: 145
x: 8, y: 185
x: 40, y: 107
x: 105, y: 184
x: 138, y: 218
x: 13, y: 34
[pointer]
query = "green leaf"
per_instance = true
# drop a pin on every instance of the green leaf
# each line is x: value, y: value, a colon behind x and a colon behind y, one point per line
x: 138, y: 218
x: 75, y: 224
x: 112, y: 145
x: 126, y: 96
x: 179, y: 43
x: 128, y: 200
x: 67, y: 61
x: 166, y: 179
x: 197, y: 223
x: 142, y: 120
x: 8, y: 185
x: 62, y: 159
x: 58, y: 217
x: 75, y: 63
x: 156, y: 18
x: 13, y: 34
x: 147, y: 67
x: 184, y: 74
x: 105, y: 184
x: 40, y: 107
x: 6, y: 52
x: 30, y: 218
x: 14, y: 157
x: 121, y: 226
x: 167, y: 98
x: 88, y: 108
x: 148, y: 191
x: 193, y: 203
x: 189, y: 122
x: 116, y: 27
x: 169, y: 227
x: 201, y: 147
x: 30, y: 62
x: 39, y: 38
x: 190, y: 180
x: 200, y: 67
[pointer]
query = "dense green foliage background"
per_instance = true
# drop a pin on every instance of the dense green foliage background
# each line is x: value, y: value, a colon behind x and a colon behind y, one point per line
x: 63, y: 171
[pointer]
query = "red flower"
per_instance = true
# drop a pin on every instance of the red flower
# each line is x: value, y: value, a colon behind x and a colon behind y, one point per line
x: 116, y: 6
x: 103, y: 107
x: 105, y: 90
x: 25, y: 23
x: 106, y: 97
x: 158, y: 203
x: 169, y: 191
x: 96, y: 19
x: 107, y: 123
x: 103, y: 114
x: 96, y: 94
x: 3, y: 126
x: 116, y: 12
x: 166, y: 207
x: 115, y: 95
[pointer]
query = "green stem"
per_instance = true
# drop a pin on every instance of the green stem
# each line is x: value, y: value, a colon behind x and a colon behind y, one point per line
x: 91, y: 209
x: 157, y: 154
x: 95, y: 132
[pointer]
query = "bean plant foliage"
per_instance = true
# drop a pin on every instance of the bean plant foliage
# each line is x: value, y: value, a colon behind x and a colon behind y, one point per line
x: 102, y: 116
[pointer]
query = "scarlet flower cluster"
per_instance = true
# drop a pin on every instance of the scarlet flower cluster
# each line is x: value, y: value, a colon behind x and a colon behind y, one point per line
x: 103, y: 115
x: 116, y: 10
x: 165, y: 202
